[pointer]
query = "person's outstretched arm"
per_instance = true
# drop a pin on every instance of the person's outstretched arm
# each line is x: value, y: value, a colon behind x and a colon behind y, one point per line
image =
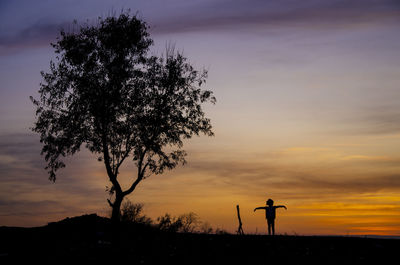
x: 259, y: 208
x: 281, y: 206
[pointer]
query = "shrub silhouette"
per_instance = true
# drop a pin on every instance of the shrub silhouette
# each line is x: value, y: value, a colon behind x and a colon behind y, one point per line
x: 206, y: 228
x: 184, y: 223
x: 133, y: 213
x: 168, y: 223
x: 189, y: 222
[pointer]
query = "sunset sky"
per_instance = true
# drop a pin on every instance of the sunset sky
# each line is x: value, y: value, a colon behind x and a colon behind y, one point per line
x: 307, y: 113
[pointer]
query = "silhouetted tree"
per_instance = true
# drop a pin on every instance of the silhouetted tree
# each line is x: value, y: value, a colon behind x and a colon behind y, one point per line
x: 105, y: 92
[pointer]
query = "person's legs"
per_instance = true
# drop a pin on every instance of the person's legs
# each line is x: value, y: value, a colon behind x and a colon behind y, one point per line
x: 273, y: 227
x: 269, y: 226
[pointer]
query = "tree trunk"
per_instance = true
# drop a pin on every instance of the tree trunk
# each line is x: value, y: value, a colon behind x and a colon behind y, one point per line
x: 116, y: 209
x: 115, y: 220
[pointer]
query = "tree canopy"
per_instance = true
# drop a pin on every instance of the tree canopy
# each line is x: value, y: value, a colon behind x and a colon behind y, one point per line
x: 105, y: 91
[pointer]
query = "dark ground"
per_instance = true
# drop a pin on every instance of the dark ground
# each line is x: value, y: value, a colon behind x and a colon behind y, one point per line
x: 86, y: 240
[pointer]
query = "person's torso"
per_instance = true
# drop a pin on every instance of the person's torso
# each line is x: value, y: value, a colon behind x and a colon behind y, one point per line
x: 270, y: 213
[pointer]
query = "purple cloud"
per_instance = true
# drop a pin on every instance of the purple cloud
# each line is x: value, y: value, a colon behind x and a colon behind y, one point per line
x: 222, y: 15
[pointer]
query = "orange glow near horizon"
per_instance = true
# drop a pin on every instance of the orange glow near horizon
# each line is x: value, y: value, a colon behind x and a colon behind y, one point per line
x: 325, y: 195
x: 324, y: 201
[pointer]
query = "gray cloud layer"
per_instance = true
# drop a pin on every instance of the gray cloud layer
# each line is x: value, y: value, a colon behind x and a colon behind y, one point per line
x: 25, y: 190
x: 235, y: 15
x: 340, y: 177
x: 219, y: 15
x: 34, y: 35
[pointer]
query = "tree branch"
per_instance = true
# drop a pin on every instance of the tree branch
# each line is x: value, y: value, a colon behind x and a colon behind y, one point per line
x: 140, y: 174
x: 111, y: 175
x: 120, y: 162
x: 133, y: 186
x: 144, y: 168
x: 128, y: 149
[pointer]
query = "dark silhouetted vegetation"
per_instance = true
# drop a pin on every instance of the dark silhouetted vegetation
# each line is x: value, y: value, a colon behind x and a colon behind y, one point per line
x: 133, y: 213
x: 185, y: 223
x: 86, y: 240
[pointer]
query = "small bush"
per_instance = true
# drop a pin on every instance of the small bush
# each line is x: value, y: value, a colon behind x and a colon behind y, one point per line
x: 132, y: 213
x: 189, y: 221
x: 205, y: 228
x: 185, y: 223
x: 169, y: 224
x: 220, y: 231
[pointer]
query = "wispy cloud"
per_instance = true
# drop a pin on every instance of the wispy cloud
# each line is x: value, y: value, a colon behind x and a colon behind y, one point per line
x: 257, y: 14
x: 225, y: 15
x: 20, y: 151
x: 28, y: 195
x: 32, y: 208
x: 36, y: 35
x: 375, y: 119
x: 381, y: 119
x: 307, y: 173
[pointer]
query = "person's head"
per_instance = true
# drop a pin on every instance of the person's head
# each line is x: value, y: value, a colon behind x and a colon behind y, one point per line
x: 270, y: 202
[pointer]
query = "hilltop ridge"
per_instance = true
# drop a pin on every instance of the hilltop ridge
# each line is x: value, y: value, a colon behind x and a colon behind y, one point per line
x: 87, y: 239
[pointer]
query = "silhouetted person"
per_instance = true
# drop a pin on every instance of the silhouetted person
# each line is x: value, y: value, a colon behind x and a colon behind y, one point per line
x: 270, y: 213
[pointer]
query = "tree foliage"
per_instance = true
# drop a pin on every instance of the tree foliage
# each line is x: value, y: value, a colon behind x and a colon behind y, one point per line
x: 106, y: 93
